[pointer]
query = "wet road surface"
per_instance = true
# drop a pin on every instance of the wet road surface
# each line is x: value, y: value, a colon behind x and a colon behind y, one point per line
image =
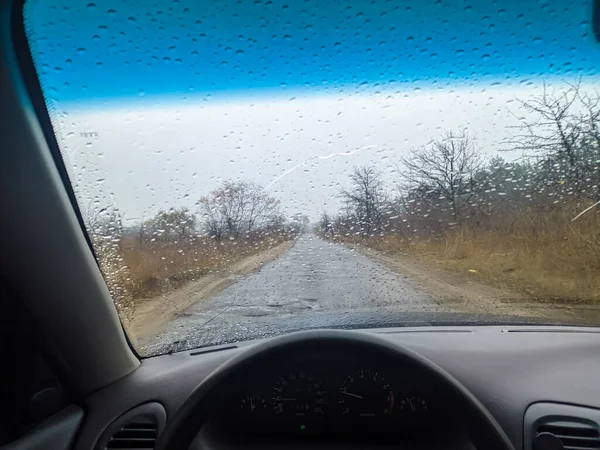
x: 314, y: 284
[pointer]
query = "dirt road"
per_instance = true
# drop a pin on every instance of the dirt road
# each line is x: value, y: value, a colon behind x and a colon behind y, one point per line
x: 152, y: 314
x: 318, y: 283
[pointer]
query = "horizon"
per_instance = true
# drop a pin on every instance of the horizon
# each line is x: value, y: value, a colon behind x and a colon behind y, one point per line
x: 301, y: 150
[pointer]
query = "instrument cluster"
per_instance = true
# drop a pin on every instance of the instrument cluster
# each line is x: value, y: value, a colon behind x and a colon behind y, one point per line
x: 306, y: 399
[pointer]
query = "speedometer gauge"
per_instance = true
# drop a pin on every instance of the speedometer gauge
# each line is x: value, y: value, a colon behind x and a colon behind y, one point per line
x: 299, y: 394
x: 365, y: 394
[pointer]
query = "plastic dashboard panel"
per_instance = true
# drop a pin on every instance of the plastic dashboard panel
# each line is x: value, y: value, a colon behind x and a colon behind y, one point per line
x: 508, y: 369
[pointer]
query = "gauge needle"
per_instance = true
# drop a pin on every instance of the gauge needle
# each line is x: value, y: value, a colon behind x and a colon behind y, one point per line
x: 411, y: 405
x: 251, y: 404
x: 351, y: 394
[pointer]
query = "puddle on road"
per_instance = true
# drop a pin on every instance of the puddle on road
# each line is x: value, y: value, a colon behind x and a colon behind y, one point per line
x: 276, y: 309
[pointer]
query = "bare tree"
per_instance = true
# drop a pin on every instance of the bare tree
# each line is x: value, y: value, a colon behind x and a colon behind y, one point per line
x: 503, y: 186
x: 562, y: 131
x: 104, y: 226
x: 589, y: 154
x: 177, y: 224
x: 238, y: 208
x: 262, y: 209
x: 325, y: 223
x: 365, y: 199
x: 105, y: 229
x: 300, y: 222
x: 553, y: 128
x: 444, y: 169
x: 591, y: 116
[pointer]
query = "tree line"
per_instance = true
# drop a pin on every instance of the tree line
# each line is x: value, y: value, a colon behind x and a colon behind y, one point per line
x: 234, y: 210
x: 449, y: 182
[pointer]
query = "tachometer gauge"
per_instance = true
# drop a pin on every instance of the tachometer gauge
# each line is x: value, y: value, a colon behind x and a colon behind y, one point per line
x: 365, y: 394
x: 299, y: 394
x: 413, y: 405
x: 253, y: 405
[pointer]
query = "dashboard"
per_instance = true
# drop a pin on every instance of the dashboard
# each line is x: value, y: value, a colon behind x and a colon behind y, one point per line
x: 509, y: 369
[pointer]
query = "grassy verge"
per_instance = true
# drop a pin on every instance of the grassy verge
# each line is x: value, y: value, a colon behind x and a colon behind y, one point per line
x: 137, y: 270
x: 159, y: 267
x: 546, y: 255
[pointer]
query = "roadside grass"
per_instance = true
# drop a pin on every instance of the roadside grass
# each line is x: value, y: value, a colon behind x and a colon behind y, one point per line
x: 161, y: 266
x: 544, y: 254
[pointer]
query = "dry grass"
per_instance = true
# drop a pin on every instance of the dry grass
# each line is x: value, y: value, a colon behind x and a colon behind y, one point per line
x: 159, y: 267
x: 546, y: 255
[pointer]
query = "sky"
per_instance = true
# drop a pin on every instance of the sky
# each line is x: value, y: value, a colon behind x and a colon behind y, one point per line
x: 183, y: 95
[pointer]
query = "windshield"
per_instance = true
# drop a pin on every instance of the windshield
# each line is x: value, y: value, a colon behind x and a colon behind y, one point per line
x: 246, y: 169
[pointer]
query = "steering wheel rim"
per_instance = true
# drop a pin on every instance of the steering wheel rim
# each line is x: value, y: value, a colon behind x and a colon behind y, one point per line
x: 484, y: 431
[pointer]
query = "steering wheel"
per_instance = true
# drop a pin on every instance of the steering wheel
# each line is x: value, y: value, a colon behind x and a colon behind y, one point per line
x: 208, y: 396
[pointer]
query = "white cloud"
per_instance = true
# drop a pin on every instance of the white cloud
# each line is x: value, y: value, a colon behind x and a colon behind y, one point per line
x: 150, y: 157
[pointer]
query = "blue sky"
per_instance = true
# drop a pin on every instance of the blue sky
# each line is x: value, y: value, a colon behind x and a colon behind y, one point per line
x: 107, y: 50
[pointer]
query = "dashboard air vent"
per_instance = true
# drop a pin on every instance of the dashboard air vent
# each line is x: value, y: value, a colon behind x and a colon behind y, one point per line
x: 573, y: 436
x: 134, y: 436
x: 137, y: 429
x: 550, y: 426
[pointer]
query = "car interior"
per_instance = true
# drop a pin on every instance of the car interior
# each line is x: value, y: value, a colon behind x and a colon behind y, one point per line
x: 71, y: 379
